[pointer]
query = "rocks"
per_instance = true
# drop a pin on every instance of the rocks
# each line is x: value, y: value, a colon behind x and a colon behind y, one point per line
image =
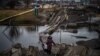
x: 18, y: 50
x: 94, y: 43
x: 32, y: 51
x: 59, y: 49
x: 93, y: 52
x: 77, y: 51
x: 63, y: 49
x: 17, y: 46
x: 55, y: 49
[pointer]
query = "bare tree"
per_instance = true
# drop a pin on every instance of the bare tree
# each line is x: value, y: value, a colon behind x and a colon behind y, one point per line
x: 27, y: 2
x: 12, y: 4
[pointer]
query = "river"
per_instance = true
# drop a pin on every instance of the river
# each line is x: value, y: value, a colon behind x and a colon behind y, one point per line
x: 29, y: 35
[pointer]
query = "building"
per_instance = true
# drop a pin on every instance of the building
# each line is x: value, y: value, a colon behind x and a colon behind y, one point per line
x: 85, y: 2
x: 95, y: 2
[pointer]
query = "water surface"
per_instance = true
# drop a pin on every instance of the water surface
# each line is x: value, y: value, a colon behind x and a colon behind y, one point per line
x: 29, y: 35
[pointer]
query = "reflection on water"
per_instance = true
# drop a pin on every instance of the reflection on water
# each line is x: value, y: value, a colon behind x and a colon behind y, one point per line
x: 14, y: 32
x: 27, y: 35
x: 31, y: 28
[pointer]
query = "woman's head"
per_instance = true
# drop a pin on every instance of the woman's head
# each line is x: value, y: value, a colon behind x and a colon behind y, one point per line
x: 49, y: 37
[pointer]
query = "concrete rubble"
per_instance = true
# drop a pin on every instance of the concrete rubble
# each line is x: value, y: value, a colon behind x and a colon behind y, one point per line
x: 57, y: 50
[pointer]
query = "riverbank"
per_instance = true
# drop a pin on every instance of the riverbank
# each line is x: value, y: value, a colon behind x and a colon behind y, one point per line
x: 27, y: 19
x: 58, y: 50
x: 9, y: 12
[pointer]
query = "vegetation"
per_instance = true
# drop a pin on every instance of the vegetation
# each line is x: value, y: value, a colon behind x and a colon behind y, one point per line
x: 12, y: 4
x: 7, y: 13
x: 28, y: 18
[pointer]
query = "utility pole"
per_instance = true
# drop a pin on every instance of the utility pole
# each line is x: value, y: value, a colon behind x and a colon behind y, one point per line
x: 89, y: 19
x: 60, y: 35
x: 36, y: 8
x: 60, y: 3
x: 44, y: 1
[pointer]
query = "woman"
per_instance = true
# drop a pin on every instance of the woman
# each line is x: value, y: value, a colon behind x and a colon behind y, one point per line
x: 49, y: 44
